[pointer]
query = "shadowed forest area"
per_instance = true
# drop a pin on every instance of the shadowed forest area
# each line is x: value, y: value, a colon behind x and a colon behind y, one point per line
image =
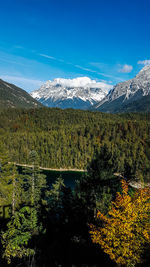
x: 45, y: 224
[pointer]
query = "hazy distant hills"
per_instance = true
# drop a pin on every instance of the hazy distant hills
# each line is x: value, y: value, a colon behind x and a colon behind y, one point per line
x: 129, y: 96
x: 12, y: 96
x: 78, y: 93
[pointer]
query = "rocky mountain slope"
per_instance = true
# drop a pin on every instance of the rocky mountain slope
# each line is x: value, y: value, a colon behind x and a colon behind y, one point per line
x: 79, y: 93
x: 132, y: 95
x: 12, y: 96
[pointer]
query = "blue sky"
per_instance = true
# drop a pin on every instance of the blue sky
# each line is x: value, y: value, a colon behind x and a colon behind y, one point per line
x: 106, y: 40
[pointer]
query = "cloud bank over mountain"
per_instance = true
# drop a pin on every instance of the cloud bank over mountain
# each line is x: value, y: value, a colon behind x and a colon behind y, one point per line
x: 80, y: 93
x: 80, y: 82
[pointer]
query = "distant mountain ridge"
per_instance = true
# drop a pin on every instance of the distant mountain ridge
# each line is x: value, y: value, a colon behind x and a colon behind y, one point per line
x: 79, y: 93
x: 83, y: 93
x: 12, y: 96
x: 132, y: 95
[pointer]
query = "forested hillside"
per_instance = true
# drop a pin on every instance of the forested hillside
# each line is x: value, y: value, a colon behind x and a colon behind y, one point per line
x: 71, y: 138
x: 54, y: 225
x: 12, y: 96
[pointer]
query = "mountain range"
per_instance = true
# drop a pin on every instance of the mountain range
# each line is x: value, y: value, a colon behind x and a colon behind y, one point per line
x: 79, y: 93
x: 131, y: 96
x: 12, y: 96
x: 83, y: 93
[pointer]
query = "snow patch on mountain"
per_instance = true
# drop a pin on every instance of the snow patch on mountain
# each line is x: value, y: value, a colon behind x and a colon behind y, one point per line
x: 80, y: 92
x: 128, y: 91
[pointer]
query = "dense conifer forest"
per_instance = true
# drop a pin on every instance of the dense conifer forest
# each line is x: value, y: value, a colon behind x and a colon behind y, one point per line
x: 71, y: 138
x: 59, y: 226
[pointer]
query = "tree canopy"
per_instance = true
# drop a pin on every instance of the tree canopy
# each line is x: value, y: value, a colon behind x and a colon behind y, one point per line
x: 125, y: 231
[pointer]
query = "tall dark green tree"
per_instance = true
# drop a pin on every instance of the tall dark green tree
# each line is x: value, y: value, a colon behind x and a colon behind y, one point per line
x: 10, y: 183
x: 35, y: 181
x: 19, y: 231
x: 98, y: 186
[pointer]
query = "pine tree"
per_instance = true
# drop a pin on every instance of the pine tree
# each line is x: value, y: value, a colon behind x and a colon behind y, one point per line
x: 19, y: 231
x: 35, y: 181
x: 10, y: 184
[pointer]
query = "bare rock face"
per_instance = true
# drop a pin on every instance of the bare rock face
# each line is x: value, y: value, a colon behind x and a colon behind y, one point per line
x: 128, y: 95
x: 79, y: 93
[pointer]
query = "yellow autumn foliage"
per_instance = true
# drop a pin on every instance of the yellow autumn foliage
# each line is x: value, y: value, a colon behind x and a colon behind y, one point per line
x: 125, y: 231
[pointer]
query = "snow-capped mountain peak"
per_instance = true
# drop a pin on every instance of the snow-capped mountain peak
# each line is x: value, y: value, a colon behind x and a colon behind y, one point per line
x: 126, y: 93
x: 144, y: 74
x: 81, y: 92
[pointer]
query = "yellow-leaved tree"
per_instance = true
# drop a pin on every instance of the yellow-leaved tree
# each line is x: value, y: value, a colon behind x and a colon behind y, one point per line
x: 125, y: 231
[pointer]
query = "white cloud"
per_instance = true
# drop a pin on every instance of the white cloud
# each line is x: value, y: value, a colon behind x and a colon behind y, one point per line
x: 80, y: 67
x: 126, y: 68
x: 81, y: 82
x: 18, y: 47
x: 46, y: 56
x: 108, y: 71
x: 144, y: 62
x: 83, y: 68
x: 68, y: 63
x: 54, y: 58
